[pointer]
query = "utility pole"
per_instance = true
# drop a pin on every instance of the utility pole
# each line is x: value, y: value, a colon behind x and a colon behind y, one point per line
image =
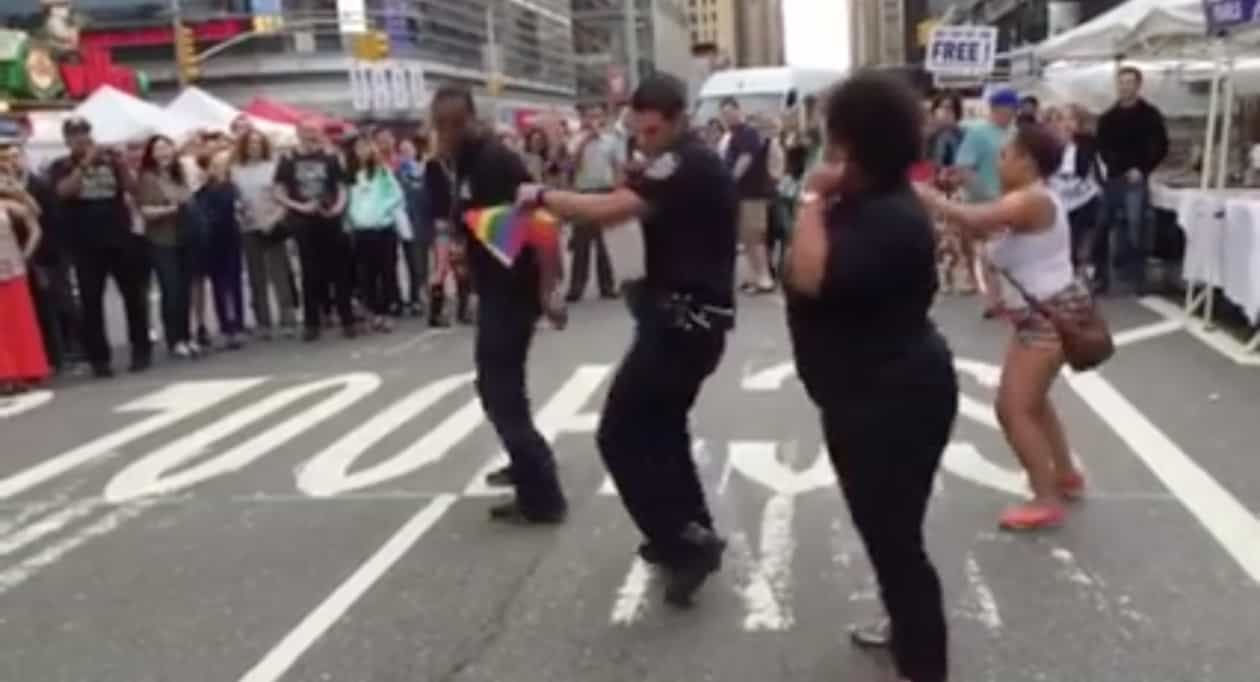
x: 632, y: 45
x: 177, y: 23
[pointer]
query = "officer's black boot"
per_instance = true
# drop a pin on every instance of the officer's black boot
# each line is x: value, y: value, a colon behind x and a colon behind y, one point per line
x: 700, y: 553
x: 437, y: 301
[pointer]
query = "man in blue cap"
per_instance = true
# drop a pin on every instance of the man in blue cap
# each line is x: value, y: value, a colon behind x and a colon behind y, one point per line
x: 977, y: 164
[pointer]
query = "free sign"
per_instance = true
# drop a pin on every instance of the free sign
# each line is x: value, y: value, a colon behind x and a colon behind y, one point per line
x: 967, y: 50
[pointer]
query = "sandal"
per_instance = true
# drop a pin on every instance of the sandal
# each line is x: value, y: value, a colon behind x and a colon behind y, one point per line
x: 1031, y: 516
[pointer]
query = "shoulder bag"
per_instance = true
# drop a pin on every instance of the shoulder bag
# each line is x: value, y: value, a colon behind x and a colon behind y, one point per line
x: 1084, y: 333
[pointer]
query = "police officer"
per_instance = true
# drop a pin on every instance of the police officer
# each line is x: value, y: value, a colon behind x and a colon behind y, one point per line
x: 488, y: 174
x: 685, y: 200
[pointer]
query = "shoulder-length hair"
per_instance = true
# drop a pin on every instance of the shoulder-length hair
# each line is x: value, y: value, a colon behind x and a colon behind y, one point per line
x: 242, y: 147
x: 149, y: 164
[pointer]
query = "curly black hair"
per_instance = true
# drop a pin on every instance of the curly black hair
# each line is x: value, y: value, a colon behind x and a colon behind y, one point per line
x: 1041, y: 145
x: 878, y: 118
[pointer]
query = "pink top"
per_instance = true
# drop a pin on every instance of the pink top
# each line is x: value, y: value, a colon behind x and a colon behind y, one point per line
x: 12, y: 264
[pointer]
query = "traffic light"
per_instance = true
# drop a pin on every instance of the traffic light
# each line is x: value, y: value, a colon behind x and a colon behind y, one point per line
x: 372, y: 46
x: 186, y: 59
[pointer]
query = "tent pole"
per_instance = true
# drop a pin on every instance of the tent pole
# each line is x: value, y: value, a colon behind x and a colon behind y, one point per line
x: 1205, y: 175
x: 1222, y: 177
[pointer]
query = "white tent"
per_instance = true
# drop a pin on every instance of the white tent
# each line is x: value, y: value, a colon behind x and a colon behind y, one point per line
x: 210, y: 112
x: 117, y: 117
x: 1153, y: 28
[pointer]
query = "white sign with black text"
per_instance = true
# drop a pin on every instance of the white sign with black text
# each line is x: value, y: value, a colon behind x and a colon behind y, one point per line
x: 962, y: 50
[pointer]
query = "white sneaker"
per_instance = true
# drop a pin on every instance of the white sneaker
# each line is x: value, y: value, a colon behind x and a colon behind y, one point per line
x: 183, y: 351
x: 194, y: 349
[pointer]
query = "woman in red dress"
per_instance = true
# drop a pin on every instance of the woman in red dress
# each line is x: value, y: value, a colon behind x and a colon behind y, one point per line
x: 22, y: 359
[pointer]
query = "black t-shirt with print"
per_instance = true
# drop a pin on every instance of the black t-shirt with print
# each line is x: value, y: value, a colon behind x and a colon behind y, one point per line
x: 98, y: 215
x: 878, y: 286
x: 310, y: 176
x: 689, y: 232
x: 745, y: 140
x: 488, y: 174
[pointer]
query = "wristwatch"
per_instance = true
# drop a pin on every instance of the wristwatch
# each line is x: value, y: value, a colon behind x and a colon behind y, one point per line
x: 808, y: 197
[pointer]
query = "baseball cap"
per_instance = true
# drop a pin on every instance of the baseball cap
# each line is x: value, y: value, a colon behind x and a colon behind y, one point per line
x: 76, y: 125
x: 1004, y: 97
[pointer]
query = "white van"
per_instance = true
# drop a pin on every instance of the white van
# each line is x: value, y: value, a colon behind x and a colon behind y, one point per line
x: 760, y: 90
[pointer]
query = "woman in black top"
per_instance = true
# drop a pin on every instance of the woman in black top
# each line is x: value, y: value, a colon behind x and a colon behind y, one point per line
x: 861, y: 279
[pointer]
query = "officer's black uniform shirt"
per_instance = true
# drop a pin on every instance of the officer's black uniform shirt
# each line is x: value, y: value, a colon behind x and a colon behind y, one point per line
x: 689, y: 232
x: 489, y: 174
x: 871, y: 314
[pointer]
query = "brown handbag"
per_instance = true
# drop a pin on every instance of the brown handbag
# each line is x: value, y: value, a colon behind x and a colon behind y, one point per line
x: 1084, y: 334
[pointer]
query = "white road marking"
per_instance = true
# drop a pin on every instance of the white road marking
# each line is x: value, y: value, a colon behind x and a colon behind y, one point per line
x: 560, y: 414
x: 632, y: 603
x: 148, y: 475
x: 1233, y: 526
x: 328, y: 473
x: 1218, y: 340
x: 965, y: 461
x: 1129, y: 337
x: 282, y: 656
x: 15, y: 405
x: 15, y: 575
x: 27, y: 512
x: 45, y: 526
x: 757, y: 461
x: 767, y: 579
x: 979, y: 603
x: 173, y: 404
x: 770, y: 378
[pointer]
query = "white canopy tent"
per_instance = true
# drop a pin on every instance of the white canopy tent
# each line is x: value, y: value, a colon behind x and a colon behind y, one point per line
x: 1177, y: 30
x: 210, y: 112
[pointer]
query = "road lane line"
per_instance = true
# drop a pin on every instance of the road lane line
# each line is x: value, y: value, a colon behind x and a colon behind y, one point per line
x: 979, y: 604
x: 1149, y: 331
x: 1225, y: 518
x: 632, y: 602
x: 45, y: 526
x: 12, y: 407
x: 282, y: 657
x: 19, y: 573
x: 172, y: 404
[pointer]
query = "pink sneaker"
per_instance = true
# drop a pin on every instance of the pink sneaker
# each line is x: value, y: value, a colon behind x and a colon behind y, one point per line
x: 1031, y: 516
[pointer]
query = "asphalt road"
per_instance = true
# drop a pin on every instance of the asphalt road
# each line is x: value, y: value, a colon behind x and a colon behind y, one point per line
x: 312, y: 512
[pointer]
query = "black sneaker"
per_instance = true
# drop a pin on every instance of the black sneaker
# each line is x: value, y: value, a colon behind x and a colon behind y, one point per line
x: 141, y: 363
x: 684, y: 577
x: 651, y: 554
x: 512, y: 512
x: 102, y: 371
x: 500, y: 478
x: 875, y: 635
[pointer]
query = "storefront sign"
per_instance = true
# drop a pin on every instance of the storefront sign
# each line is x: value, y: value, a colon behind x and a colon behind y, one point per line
x: 352, y: 16
x: 1223, y: 15
x: 962, y: 50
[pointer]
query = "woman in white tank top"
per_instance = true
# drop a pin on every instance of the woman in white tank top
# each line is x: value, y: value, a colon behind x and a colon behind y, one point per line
x: 1032, y: 244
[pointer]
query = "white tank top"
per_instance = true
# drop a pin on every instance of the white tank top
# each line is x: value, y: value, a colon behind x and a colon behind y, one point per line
x: 1040, y: 261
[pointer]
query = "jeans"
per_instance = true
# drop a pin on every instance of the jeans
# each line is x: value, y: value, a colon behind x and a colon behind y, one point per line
x: 1129, y: 232
x: 127, y: 262
x: 505, y: 328
x: 886, y: 440
x: 416, y: 258
x: 228, y: 286
x: 326, y: 272
x: 58, y: 310
x: 376, y: 254
x: 170, y: 265
x: 643, y: 436
x: 267, y: 262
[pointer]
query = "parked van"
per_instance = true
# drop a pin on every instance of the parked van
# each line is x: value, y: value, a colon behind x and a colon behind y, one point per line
x: 760, y: 90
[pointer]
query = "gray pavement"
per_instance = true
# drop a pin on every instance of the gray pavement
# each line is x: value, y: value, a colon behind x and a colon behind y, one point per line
x: 312, y: 512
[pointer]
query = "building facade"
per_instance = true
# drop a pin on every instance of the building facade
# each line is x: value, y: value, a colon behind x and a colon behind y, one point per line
x: 526, y: 45
x: 1027, y: 22
x: 617, y: 42
x: 713, y: 25
x: 760, y: 33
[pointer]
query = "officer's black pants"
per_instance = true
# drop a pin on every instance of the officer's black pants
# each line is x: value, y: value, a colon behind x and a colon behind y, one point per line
x: 127, y: 262
x: 505, y: 328
x: 643, y: 436
x: 886, y: 444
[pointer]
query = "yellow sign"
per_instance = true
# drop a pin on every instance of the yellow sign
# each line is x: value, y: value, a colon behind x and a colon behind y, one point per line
x: 923, y: 31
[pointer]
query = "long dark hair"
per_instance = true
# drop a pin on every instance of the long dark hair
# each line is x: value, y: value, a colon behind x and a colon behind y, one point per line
x: 354, y: 165
x: 149, y: 164
x: 242, y: 147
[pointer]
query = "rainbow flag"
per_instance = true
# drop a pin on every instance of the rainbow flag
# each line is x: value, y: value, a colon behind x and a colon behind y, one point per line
x: 506, y: 230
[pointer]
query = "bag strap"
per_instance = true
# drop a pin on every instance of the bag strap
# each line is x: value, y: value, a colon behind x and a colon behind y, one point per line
x: 1024, y: 293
